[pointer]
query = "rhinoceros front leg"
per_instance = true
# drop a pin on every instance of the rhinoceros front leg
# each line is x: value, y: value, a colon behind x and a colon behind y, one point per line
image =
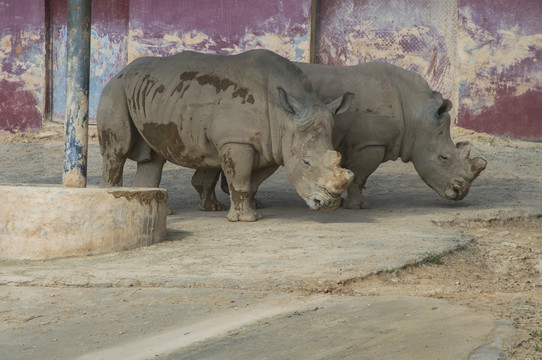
x: 237, y: 161
x: 363, y: 163
x: 204, y: 181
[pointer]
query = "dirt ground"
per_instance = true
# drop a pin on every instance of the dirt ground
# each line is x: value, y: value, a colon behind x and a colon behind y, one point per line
x: 499, y: 272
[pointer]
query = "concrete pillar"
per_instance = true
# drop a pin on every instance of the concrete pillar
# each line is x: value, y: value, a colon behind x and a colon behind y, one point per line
x: 77, y: 88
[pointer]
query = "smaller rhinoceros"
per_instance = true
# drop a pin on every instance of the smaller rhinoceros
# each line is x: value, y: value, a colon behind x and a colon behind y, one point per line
x: 246, y: 113
x: 394, y: 114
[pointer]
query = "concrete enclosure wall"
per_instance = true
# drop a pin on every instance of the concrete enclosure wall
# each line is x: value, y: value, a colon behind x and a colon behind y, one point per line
x: 484, y: 55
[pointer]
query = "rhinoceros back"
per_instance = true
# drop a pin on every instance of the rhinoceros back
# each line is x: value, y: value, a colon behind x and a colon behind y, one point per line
x: 187, y: 105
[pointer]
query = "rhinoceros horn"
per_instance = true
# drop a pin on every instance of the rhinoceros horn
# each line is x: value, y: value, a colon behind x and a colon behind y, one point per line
x: 477, y: 164
x: 343, y: 178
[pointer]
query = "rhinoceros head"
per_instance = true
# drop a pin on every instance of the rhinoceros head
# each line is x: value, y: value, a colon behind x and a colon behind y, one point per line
x: 311, y: 164
x: 443, y: 165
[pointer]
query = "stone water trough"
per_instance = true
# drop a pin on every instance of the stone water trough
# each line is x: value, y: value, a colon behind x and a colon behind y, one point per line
x: 40, y: 222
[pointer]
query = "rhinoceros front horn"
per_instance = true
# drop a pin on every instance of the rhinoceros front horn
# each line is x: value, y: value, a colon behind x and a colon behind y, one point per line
x: 342, y: 177
x: 477, y: 165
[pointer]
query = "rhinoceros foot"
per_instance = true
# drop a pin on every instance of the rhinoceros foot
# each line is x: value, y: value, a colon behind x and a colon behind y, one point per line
x: 356, y: 204
x: 210, y: 205
x: 246, y: 215
x: 257, y: 204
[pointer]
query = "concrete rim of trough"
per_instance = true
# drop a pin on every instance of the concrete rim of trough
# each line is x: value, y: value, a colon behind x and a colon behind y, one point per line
x: 49, y: 221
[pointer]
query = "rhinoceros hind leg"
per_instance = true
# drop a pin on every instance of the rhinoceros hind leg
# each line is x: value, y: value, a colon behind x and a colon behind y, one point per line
x: 363, y: 163
x: 355, y: 203
x: 112, y: 170
x: 149, y: 173
x: 257, y: 204
x: 116, y: 133
x: 258, y: 177
x: 237, y: 161
x: 204, y: 181
x: 355, y: 200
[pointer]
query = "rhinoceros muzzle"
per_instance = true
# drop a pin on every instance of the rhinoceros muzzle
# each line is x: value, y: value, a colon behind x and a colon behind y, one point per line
x: 318, y: 203
x: 330, y: 200
x: 457, y: 189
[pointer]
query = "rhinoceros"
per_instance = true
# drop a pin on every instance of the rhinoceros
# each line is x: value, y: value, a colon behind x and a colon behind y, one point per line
x: 394, y: 114
x: 246, y: 113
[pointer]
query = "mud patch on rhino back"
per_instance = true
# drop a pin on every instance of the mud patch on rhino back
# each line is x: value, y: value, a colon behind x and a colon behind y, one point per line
x: 158, y: 90
x: 149, y: 84
x: 222, y: 84
x: 186, y: 76
x: 166, y: 140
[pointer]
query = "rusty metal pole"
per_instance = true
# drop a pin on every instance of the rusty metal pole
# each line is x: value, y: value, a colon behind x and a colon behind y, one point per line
x: 77, y: 91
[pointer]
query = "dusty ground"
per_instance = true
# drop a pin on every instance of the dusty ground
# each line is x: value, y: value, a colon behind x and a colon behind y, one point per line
x: 500, y: 271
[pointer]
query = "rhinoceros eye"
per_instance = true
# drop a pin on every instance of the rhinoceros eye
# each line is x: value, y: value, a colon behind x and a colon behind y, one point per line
x: 306, y: 163
x: 442, y: 158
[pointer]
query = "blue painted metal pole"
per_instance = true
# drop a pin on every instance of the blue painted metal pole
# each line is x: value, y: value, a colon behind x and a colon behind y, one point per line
x: 77, y: 89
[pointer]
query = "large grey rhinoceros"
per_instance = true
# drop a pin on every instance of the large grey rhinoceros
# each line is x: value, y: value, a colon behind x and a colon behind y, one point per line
x: 394, y: 114
x: 246, y: 114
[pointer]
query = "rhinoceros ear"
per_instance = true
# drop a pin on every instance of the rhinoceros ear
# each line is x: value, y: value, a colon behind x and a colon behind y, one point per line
x: 340, y: 105
x: 444, y: 108
x: 289, y: 103
x: 444, y: 105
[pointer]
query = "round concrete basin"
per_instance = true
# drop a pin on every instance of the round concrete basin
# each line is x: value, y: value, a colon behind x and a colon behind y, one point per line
x: 40, y: 222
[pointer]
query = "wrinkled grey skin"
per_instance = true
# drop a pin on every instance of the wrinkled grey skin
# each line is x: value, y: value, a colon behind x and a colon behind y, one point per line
x: 394, y: 115
x: 246, y: 114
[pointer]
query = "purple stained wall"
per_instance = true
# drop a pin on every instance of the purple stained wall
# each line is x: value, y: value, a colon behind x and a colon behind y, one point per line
x: 220, y: 27
x: 22, y: 56
x: 484, y: 55
x: 418, y: 35
x: 500, y: 67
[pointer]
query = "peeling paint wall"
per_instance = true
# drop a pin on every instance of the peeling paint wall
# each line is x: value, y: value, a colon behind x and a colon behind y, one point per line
x: 417, y: 35
x: 500, y: 67
x: 22, y: 56
x: 220, y: 27
x: 484, y: 55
